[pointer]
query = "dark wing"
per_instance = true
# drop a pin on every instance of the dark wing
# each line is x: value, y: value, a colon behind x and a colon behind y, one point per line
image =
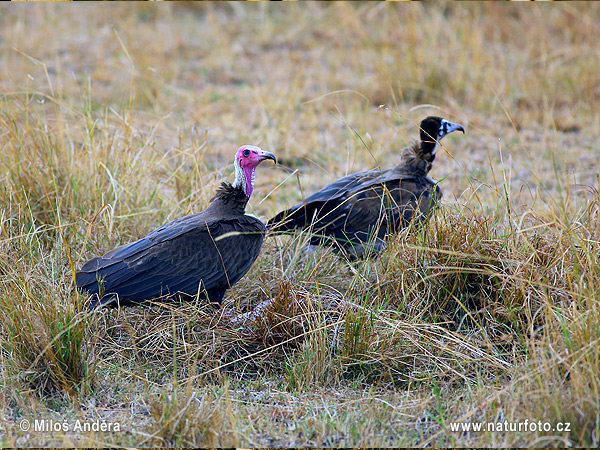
x: 362, y: 207
x: 327, y: 204
x: 184, y: 256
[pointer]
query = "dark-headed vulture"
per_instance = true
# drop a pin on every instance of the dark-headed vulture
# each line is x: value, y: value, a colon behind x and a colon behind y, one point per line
x: 202, y: 254
x: 357, y: 211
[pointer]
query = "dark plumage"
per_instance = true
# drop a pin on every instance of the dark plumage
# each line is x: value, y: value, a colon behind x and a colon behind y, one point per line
x: 358, y: 210
x: 204, y: 253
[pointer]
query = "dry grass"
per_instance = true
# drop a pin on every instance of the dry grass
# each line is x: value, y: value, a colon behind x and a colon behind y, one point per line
x: 129, y: 117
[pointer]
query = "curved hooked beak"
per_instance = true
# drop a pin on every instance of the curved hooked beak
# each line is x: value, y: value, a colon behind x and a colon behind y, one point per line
x: 448, y: 127
x: 267, y: 155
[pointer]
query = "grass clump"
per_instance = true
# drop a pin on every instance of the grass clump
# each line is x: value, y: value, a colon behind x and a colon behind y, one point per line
x: 180, y: 418
x: 467, y: 270
x: 48, y: 342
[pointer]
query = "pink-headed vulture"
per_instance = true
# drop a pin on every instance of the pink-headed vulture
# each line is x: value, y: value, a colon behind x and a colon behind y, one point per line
x: 201, y: 254
x: 357, y: 211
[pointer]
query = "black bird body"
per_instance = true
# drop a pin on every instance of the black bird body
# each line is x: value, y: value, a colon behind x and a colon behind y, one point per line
x: 359, y: 210
x: 204, y: 253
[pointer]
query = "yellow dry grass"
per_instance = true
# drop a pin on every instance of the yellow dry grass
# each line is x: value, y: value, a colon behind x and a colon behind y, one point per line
x: 115, y: 118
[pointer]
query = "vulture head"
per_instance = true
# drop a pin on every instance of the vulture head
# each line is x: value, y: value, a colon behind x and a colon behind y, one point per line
x: 247, y: 158
x: 432, y: 130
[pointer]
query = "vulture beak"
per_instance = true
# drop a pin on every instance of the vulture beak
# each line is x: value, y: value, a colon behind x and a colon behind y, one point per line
x: 448, y: 127
x: 267, y: 155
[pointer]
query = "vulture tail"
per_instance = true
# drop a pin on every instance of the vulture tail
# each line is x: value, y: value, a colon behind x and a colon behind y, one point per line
x: 288, y: 220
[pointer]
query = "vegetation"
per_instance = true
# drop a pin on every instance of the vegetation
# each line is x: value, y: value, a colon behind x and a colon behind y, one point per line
x: 117, y: 118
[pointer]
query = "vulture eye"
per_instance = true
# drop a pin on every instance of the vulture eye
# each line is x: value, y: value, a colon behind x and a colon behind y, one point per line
x: 246, y: 153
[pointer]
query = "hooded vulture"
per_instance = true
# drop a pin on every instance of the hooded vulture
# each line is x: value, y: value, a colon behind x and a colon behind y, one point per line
x: 357, y: 211
x: 202, y: 254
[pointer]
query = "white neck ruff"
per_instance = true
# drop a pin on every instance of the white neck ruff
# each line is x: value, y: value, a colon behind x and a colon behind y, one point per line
x: 240, y: 181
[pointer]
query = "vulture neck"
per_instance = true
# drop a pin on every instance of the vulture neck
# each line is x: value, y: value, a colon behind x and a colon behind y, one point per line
x: 229, y: 201
x: 244, y: 178
x: 418, y: 158
x: 428, y: 149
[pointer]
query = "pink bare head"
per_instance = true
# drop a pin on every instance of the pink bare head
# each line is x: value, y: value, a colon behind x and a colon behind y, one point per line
x: 247, y: 158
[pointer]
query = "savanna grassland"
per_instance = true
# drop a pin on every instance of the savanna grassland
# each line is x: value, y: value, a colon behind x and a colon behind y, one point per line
x: 116, y: 118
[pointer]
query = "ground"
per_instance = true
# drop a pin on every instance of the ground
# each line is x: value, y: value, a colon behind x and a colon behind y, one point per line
x: 116, y: 118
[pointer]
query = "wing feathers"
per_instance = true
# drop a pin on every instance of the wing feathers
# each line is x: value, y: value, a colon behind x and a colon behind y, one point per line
x: 177, y: 257
x: 362, y: 206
